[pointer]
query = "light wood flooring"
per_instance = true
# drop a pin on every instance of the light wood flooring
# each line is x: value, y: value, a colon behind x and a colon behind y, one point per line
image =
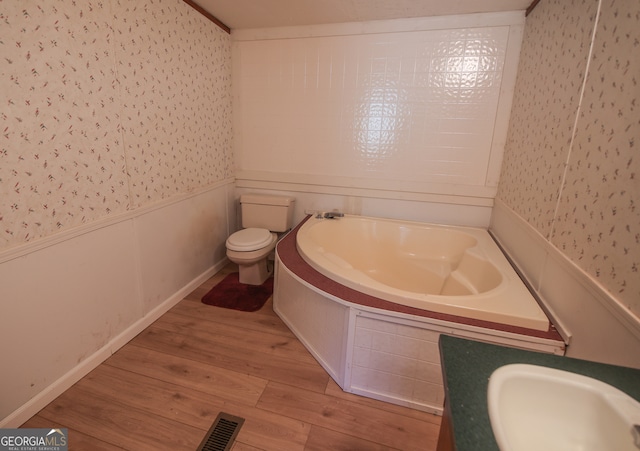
x: 164, y: 389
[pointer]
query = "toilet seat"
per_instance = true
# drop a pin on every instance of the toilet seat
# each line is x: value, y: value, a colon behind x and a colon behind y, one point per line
x: 249, y: 239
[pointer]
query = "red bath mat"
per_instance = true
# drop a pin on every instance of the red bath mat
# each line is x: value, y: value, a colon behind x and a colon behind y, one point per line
x: 232, y: 294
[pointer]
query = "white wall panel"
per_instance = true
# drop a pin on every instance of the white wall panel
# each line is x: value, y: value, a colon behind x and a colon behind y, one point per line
x: 178, y: 241
x: 593, y: 322
x: 60, y: 305
x: 421, y: 110
x: 68, y: 302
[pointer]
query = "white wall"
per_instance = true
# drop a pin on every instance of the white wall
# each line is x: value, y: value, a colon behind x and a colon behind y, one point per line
x: 364, y: 115
x: 71, y: 300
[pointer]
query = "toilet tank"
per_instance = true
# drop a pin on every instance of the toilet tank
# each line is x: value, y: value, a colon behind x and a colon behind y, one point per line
x: 273, y: 213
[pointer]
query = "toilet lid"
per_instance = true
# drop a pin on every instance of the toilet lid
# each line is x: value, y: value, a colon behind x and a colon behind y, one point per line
x: 249, y: 239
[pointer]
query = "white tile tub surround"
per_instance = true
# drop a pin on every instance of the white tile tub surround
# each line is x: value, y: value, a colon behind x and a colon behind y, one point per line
x: 398, y: 107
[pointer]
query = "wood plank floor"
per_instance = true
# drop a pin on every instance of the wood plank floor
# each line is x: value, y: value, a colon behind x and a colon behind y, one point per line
x: 164, y: 389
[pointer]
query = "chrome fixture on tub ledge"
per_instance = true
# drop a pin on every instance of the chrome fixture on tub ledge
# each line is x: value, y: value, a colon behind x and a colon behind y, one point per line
x: 329, y: 215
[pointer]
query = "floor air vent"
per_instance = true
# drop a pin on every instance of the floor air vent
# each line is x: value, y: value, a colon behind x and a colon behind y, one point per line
x: 222, y: 434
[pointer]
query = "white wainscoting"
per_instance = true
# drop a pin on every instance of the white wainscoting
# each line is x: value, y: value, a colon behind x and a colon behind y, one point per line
x: 380, y: 203
x: 596, y: 326
x: 69, y: 301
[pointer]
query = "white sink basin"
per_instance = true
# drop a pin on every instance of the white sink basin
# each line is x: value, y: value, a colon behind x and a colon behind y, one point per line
x: 538, y: 408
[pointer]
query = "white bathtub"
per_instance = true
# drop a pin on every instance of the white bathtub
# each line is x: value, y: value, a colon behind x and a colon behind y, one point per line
x: 451, y: 270
x: 373, y: 345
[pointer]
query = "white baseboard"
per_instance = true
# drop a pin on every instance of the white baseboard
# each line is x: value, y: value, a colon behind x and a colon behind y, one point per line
x: 38, y: 402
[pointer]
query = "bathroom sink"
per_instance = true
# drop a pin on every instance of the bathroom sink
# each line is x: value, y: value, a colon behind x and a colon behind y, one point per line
x: 538, y: 408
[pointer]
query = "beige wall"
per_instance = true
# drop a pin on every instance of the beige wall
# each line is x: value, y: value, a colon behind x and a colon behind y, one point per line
x: 116, y: 180
x: 570, y: 170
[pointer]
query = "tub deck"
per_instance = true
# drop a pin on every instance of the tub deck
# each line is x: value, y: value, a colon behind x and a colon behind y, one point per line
x: 291, y: 258
x: 376, y: 348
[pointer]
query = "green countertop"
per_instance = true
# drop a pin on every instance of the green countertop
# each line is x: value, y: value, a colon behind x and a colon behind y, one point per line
x: 467, y: 365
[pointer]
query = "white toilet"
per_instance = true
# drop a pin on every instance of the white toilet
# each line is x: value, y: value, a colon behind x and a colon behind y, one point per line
x: 250, y: 247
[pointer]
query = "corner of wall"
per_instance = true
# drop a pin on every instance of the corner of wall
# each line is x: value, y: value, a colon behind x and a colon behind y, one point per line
x: 595, y: 325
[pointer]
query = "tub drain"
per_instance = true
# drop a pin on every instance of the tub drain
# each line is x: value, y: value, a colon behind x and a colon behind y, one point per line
x: 222, y: 433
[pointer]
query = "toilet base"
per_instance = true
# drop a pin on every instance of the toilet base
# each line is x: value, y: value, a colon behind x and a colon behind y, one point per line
x: 254, y: 266
x: 255, y: 273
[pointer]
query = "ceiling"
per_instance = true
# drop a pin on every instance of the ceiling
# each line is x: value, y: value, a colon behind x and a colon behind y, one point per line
x: 240, y: 14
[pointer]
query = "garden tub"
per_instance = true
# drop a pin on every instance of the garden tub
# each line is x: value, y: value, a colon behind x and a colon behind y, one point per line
x: 452, y: 270
x: 370, y: 297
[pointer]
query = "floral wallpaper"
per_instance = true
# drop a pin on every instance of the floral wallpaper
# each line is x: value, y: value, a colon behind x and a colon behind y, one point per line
x: 571, y: 168
x: 107, y: 106
x: 553, y: 61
